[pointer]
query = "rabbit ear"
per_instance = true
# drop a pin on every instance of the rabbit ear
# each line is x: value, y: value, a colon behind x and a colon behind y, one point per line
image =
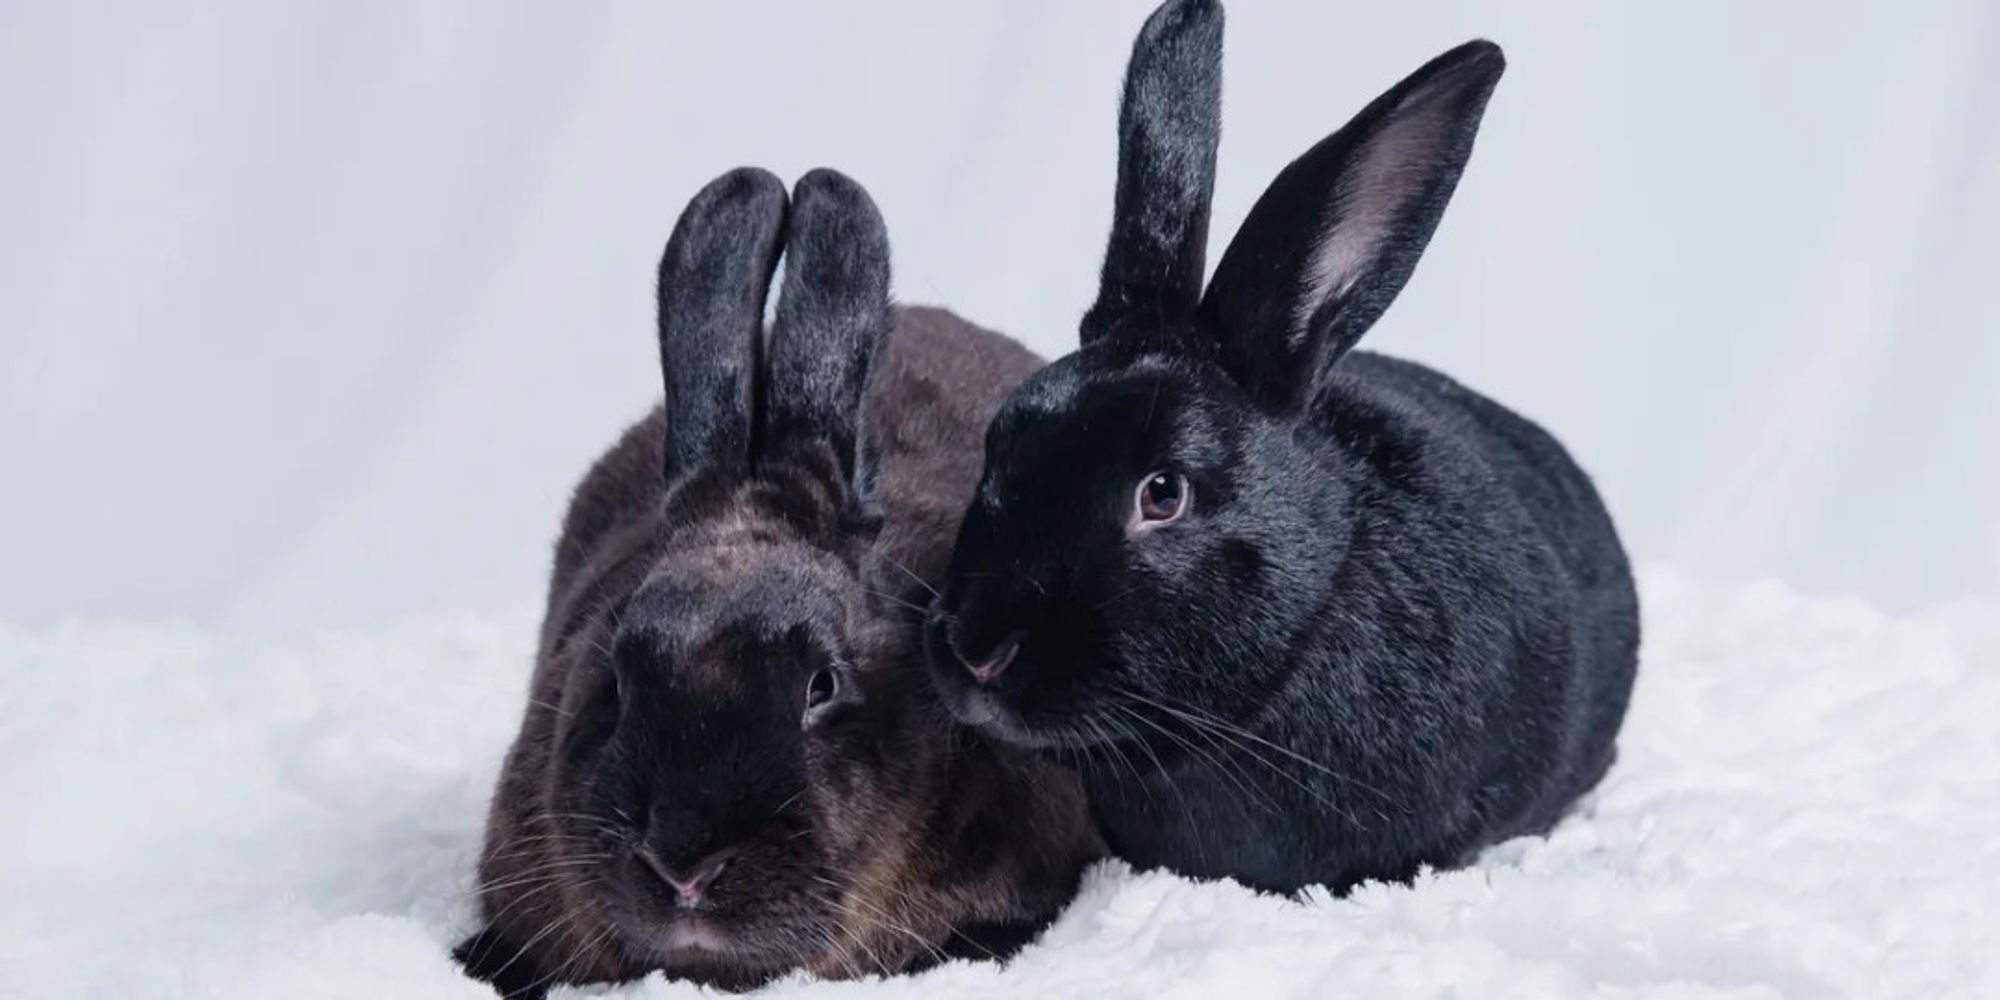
x: 1168, y: 126
x: 832, y: 312
x: 713, y: 280
x: 1331, y: 242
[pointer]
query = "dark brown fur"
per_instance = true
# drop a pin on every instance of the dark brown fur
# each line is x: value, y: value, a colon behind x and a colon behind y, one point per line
x: 943, y: 836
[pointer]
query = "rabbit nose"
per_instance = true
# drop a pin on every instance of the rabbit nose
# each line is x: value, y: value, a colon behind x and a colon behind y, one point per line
x: 689, y: 882
x: 996, y: 662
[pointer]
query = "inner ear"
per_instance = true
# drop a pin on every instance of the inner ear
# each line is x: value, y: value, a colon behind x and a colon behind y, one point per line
x: 1334, y: 238
x: 1395, y: 176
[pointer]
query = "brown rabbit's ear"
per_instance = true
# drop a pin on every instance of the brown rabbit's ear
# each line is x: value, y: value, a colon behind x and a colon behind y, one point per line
x: 713, y: 281
x: 1169, y: 123
x: 832, y: 313
x: 1333, y: 239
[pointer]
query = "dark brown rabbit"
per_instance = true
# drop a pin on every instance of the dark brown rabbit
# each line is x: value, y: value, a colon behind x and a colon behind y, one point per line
x: 732, y: 764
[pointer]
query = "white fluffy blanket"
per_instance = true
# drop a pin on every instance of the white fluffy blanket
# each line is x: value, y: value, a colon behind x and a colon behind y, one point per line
x: 1807, y: 804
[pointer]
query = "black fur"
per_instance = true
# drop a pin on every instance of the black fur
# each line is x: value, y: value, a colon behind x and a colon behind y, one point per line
x: 1166, y: 175
x: 1393, y: 622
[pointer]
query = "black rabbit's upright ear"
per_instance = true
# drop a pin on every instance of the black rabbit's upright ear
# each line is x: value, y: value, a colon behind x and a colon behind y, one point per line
x: 1168, y: 126
x: 713, y: 281
x: 1331, y: 242
x: 832, y: 312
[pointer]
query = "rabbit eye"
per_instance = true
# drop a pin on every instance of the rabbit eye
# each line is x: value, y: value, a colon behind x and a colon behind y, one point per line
x: 821, y: 689
x: 1162, y: 497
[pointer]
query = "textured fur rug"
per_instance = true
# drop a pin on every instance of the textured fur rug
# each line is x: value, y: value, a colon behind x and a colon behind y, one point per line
x: 1807, y: 804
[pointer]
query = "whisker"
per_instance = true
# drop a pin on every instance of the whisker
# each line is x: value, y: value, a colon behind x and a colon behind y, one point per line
x: 551, y: 883
x: 881, y: 918
x: 918, y: 608
x: 561, y: 919
x: 1230, y: 734
x: 1215, y: 757
x: 535, y: 874
x: 921, y: 582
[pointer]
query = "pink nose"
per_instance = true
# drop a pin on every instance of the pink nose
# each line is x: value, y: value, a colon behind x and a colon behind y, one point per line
x: 692, y: 881
x: 991, y: 667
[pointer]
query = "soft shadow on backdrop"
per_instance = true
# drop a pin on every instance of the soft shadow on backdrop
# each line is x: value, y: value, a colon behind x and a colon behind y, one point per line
x: 311, y: 314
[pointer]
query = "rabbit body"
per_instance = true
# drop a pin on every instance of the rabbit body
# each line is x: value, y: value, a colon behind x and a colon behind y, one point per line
x: 1460, y: 682
x: 731, y: 764
x: 1305, y: 615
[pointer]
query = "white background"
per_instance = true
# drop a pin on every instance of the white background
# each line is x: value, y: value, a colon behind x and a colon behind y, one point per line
x: 311, y: 314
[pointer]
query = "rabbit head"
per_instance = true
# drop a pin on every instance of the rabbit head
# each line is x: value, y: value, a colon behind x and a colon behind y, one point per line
x: 1152, y: 524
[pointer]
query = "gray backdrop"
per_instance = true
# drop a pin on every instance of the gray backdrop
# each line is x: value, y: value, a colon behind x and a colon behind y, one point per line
x: 312, y: 313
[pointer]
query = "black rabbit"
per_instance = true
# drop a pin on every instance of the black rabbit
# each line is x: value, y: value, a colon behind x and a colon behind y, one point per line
x: 1307, y: 615
x: 731, y: 764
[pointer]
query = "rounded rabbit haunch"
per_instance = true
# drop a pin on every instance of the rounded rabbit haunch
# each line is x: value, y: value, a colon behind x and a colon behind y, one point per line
x: 732, y: 764
x: 1303, y: 614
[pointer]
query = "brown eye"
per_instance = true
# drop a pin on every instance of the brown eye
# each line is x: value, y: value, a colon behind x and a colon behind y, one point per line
x: 1162, y: 497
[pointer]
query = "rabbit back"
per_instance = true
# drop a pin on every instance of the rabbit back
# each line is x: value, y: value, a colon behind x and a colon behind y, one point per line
x: 1588, y: 606
x: 1539, y: 474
